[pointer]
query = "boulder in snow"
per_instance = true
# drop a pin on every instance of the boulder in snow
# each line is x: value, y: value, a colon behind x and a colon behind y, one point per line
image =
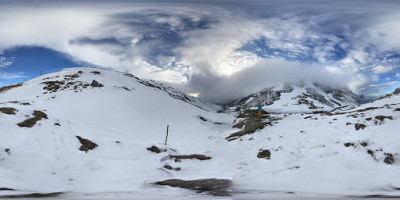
x: 86, y: 144
x: 217, y: 187
x: 96, y: 84
x: 264, y: 154
x: 8, y: 110
x: 359, y: 126
x: 154, y: 149
x: 38, y: 115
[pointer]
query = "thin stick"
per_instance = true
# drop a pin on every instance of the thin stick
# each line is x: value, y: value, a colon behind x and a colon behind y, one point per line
x: 166, y: 137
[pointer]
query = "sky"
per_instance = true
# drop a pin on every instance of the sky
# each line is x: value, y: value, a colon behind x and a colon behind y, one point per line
x: 220, y: 50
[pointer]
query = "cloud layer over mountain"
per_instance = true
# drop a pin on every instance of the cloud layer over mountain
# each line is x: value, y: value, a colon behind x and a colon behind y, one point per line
x: 219, y: 49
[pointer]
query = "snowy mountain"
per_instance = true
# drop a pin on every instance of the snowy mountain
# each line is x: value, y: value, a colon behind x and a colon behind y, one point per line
x: 302, y: 97
x: 95, y: 132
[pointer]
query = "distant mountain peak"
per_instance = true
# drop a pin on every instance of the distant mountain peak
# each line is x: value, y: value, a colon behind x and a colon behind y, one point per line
x: 299, y: 96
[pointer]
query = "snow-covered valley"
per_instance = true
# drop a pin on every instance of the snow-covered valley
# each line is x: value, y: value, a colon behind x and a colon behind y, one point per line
x: 353, y: 151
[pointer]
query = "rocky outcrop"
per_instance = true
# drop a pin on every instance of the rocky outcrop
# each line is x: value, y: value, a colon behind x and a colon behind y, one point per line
x: 218, y: 187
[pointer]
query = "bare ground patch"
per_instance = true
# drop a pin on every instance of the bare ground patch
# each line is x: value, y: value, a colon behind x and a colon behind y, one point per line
x: 250, y: 123
x: 9, y: 87
x: 178, y: 158
x: 217, y: 187
x: 38, y: 115
x: 8, y: 110
x: 86, y: 144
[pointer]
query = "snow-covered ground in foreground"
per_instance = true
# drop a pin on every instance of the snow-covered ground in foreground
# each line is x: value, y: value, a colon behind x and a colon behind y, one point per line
x: 128, y: 115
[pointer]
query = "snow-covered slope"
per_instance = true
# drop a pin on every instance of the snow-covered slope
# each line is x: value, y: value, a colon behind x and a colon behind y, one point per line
x: 353, y: 152
x: 303, y: 97
x: 344, y: 152
x: 123, y: 118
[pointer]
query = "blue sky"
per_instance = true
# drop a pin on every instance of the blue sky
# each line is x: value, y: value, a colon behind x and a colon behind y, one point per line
x: 220, y: 49
x: 29, y: 62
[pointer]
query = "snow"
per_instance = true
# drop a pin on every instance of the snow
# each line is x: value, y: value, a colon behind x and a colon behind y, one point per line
x: 307, y: 155
x: 294, y: 98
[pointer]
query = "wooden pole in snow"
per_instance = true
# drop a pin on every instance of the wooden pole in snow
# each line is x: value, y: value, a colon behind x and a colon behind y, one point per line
x: 166, y: 137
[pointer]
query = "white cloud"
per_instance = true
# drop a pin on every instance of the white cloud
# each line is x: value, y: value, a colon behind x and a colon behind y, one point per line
x: 363, y: 36
x: 10, y: 76
x: 4, y: 62
x: 265, y: 73
x: 380, y: 69
x: 385, y: 34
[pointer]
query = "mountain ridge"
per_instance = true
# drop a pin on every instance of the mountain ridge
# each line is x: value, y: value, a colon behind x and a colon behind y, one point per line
x: 303, y: 96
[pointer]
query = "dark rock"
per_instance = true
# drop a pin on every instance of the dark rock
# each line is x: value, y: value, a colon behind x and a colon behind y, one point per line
x: 382, y: 117
x: 9, y: 87
x: 154, y: 149
x: 72, y: 77
x: 192, y: 156
x: 202, y: 118
x: 53, y: 86
x: 366, y: 109
x: 359, y: 126
x: 57, y: 124
x: 388, y: 159
x: 95, y: 72
x: 96, y: 84
x: 369, y: 119
x: 348, y: 144
x: 28, y: 123
x: 86, y: 144
x: 38, y: 115
x: 307, y: 102
x: 5, y: 189
x: 31, y: 195
x: 123, y: 87
x: 264, y: 154
x: 7, y: 150
x: 370, y: 152
x: 396, y: 91
x: 168, y: 167
x: 348, y: 123
x: 251, y: 123
x: 364, y: 144
x: 397, y: 109
x: 8, y: 110
x: 217, y: 187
